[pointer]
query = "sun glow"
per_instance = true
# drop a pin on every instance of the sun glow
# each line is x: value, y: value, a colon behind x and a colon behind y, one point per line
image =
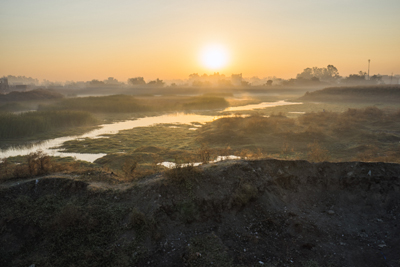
x: 214, y: 57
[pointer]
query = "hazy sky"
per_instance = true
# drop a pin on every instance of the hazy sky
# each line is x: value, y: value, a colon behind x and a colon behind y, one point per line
x: 88, y: 39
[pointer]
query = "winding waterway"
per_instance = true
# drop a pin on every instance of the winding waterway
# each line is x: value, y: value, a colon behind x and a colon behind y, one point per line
x: 50, y: 146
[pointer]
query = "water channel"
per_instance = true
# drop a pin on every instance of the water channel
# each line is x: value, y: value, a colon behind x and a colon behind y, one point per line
x: 50, y: 146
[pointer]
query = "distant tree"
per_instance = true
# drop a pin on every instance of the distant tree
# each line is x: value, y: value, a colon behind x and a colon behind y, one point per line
x: 157, y: 83
x: 194, y: 76
x: 356, y: 78
x: 224, y: 83
x: 21, y: 80
x: 332, y: 72
x: 197, y: 83
x: 269, y: 82
x: 245, y: 84
x: 329, y: 74
x: 96, y: 83
x: 306, y: 74
x: 136, y: 81
x: 112, y: 81
x: 377, y: 79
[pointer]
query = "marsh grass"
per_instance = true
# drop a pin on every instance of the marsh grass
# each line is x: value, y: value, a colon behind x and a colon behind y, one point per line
x: 373, y: 93
x: 317, y: 136
x: 37, y: 164
x: 205, y: 102
x: 133, y: 104
x: 32, y: 123
x: 105, y: 104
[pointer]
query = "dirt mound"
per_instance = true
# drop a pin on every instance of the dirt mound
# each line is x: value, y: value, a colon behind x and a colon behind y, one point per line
x: 235, y: 213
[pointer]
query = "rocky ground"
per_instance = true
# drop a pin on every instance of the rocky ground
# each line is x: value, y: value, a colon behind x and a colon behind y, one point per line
x: 233, y: 213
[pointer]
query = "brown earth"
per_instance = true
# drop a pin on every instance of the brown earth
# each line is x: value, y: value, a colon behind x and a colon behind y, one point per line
x: 234, y: 213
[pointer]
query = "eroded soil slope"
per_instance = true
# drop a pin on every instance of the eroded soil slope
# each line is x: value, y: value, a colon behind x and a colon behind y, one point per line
x: 239, y: 213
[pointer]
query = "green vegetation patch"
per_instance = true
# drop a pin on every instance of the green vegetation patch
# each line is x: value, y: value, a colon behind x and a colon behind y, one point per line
x: 128, y: 103
x: 386, y: 93
x: 206, y: 102
x: 37, y: 94
x: 128, y: 141
x: 105, y: 104
x: 315, y: 136
x: 33, y: 123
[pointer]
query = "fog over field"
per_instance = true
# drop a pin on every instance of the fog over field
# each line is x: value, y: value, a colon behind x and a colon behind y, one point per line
x: 219, y: 133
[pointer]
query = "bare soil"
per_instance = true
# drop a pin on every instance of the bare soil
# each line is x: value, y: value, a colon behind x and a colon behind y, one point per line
x: 233, y: 213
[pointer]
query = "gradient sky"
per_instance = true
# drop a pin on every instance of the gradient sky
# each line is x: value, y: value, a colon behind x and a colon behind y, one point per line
x: 82, y: 40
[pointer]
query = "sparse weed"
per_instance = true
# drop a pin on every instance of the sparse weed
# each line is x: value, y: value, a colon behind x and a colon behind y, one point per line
x: 204, y: 153
x: 317, y: 153
x: 310, y: 263
x: 180, y: 173
x: 244, y: 194
x: 129, y: 168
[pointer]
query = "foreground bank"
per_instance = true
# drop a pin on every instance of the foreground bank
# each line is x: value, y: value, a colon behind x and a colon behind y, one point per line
x: 233, y: 213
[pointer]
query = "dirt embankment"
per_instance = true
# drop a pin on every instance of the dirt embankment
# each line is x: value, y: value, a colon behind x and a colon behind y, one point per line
x: 244, y: 213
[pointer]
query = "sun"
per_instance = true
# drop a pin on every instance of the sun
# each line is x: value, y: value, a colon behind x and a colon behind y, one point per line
x: 214, y: 57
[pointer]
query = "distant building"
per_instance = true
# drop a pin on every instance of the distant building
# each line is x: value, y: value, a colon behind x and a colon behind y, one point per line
x: 390, y: 79
x: 236, y: 79
x: 4, y: 87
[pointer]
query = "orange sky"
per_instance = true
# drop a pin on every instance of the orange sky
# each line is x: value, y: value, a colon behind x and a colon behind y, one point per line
x: 84, y: 40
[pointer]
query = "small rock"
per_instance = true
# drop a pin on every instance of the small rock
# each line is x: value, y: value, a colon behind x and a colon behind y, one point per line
x: 260, y: 262
x: 379, y: 220
x: 369, y: 173
x: 280, y: 172
x: 349, y: 173
x: 382, y: 245
x: 331, y: 212
x: 363, y: 234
